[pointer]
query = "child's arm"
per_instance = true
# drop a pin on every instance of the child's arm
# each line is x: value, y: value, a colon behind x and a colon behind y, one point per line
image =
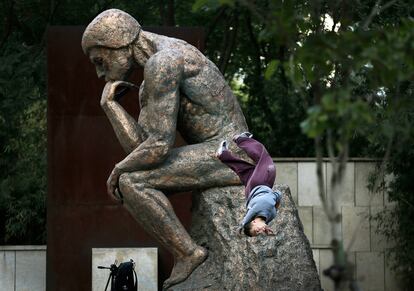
x: 251, y: 213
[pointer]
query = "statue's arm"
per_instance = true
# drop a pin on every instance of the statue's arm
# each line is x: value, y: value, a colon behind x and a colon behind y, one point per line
x: 126, y: 128
x: 159, y: 109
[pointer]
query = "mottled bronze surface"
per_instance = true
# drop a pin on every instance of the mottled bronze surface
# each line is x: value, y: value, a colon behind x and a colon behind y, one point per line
x: 181, y: 90
x: 82, y: 151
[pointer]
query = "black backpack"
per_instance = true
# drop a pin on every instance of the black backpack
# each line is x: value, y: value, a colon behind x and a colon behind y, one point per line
x: 122, y: 277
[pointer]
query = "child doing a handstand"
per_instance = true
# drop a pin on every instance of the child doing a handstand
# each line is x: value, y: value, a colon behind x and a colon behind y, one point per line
x: 261, y: 201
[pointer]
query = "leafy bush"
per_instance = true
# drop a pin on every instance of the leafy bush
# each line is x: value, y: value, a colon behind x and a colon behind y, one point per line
x: 23, y: 143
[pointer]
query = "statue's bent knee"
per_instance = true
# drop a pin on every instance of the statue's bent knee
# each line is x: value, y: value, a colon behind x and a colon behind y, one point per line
x: 125, y: 182
x: 130, y: 187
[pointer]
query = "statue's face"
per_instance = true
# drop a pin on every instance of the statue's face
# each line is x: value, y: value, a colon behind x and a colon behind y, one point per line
x: 112, y: 64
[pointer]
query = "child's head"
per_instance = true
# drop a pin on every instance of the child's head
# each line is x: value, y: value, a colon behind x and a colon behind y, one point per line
x: 247, y: 229
x: 256, y: 226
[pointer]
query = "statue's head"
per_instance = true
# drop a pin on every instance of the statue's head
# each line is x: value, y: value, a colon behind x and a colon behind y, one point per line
x: 107, y: 41
x: 112, y: 29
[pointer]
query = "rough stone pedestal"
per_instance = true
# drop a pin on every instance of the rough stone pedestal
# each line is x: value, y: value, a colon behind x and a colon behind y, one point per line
x: 281, y: 262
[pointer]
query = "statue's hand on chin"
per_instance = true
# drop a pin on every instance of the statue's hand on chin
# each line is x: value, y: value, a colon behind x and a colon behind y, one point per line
x: 114, y: 90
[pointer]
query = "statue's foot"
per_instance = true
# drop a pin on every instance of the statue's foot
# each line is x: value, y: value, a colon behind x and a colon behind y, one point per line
x: 183, y: 267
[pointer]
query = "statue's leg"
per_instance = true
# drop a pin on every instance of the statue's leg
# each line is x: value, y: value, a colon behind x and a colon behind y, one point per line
x: 186, y: 168
x: 156, y: 216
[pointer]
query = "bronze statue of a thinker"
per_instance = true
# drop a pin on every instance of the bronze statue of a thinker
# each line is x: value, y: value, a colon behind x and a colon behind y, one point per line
x: 182, y: 90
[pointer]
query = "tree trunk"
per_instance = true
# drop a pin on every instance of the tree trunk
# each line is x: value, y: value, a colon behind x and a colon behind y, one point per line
x: 280, y: 262
x: 167, y: 12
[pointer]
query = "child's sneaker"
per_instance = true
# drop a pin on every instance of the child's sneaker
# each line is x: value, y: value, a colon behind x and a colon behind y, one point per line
x: 222, y: 147
x: 243, y: 134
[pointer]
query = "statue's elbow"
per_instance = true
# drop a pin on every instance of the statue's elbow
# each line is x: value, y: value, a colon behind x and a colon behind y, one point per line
x: 163, y: 152
x: 158, y: 152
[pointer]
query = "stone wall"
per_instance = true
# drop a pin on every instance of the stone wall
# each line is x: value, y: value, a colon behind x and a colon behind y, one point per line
x: 21, y: 267
x: 367, y: 247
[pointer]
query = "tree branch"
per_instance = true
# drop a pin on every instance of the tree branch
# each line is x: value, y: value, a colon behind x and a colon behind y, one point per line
x: 319, y: 174
x: 377, y: 9
x: 253, y: 39
x: 224, y: 60
x: 170, y: 21
x: 162, y: 10
x: 8, y: 25
x: 214, y: 22
x: 255, y: 11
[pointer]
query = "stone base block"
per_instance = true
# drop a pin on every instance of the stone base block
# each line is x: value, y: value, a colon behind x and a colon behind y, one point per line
x: 282, y: 262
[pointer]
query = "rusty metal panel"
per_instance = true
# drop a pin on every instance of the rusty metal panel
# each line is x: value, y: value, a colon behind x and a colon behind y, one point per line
x: 82, y: 150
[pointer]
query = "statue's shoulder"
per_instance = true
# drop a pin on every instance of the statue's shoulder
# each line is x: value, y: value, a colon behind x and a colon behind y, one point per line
x: 165, y: 58
x: 164, y: 65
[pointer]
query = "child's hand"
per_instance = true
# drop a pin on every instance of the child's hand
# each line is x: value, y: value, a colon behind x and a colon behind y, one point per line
x: 268, y: 231
x: 277, y: 205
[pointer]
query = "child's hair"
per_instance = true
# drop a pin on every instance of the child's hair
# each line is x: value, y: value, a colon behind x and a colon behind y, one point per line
x: 247, y: 228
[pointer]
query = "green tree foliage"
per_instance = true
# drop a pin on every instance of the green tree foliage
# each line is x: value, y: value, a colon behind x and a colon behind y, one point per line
x: 23, y: 142
x: 23, y: 98
x: 339, y: 71
x: 351, y: 62
x: 236, y: 42
x: 269, y: 109
x: 395, y: 222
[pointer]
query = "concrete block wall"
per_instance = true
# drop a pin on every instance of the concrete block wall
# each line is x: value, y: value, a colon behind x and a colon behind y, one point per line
x: 23, y: 268
x: 366, y: 247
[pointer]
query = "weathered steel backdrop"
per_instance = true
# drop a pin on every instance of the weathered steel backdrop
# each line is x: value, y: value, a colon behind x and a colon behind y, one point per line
x: 82, y: 151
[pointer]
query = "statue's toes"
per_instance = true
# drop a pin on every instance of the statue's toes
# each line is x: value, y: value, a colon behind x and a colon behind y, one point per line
x: 166, y: 285
x: 185, y: 266
x: 170, y: 282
